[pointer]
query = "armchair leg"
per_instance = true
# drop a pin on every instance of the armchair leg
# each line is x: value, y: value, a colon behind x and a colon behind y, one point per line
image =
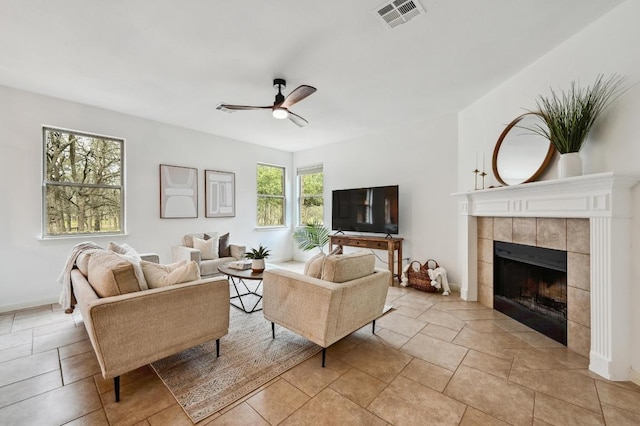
x: 217, y: 348
x: 116, y: 386
x: 324, y: 354
x: 273, y: 330
x: 374, y: 327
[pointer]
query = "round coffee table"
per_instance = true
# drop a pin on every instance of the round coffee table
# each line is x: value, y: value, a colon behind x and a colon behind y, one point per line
x: 242, y: 276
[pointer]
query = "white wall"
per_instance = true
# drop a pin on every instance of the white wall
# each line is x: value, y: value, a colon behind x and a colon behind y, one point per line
x: 30, y: 265
x: 421, y: 159
x: 608, y: 46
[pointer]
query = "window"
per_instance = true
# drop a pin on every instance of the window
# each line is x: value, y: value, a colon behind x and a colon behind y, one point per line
x: 310, y: 195
x: 83, y: 189
x: 271, y: 199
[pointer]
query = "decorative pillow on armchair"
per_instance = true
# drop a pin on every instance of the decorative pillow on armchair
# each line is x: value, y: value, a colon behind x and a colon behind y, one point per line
x: 175, y: 273
x: 313, y: 267
x: 208, y: 247
x: 223, y: 246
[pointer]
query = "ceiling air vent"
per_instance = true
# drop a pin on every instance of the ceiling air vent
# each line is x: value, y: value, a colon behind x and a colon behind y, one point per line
x: 399, y: 12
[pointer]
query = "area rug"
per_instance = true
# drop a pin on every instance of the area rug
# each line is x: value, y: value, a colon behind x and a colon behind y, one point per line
x: 249, y: 357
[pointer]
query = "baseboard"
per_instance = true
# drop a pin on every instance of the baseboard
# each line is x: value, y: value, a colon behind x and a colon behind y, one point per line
x: 27, y: 305
x: 634, y: 376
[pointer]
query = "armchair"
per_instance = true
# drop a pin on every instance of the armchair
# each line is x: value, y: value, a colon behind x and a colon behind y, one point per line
x: 350, y: 293
x: 223, y: 252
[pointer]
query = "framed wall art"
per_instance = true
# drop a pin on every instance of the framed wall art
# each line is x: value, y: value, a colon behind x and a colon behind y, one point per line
x: 219, y: 193
x: 178, y: 192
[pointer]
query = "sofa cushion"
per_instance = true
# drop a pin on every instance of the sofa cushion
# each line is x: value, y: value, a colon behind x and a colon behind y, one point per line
x: 163, y: 275
x: 129, y: 254
x: 110, y: 275
x: 208, y: 248
x: 223, y: 246
x: 339, y: 268
x: 210, y: 267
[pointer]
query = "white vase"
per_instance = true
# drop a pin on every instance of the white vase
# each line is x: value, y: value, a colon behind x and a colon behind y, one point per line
x: 257, y: 265
x: 569, y: 165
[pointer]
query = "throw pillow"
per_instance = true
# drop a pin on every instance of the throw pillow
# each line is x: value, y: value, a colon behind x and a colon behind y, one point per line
x: 110, y: 275
x: 313, y: 267
x: 208, y: 248
x: 223, y: 246
x: 82, y: 261
x: 129, y: 254
x: 163, y: 275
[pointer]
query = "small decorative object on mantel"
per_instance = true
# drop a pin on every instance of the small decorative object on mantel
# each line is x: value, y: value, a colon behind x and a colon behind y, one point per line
x: 570, y: 115
x: 476, y: 172
x: 257, y: 257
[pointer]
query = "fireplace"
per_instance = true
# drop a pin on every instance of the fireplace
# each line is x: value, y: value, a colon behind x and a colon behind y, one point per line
x: 599, y: 273
x: 530, y: 286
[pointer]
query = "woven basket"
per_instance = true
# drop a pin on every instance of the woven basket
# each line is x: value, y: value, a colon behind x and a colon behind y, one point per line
x: 419, y: 277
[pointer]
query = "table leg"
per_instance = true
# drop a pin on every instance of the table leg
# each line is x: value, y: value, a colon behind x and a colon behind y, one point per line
x: 391, y: 260
x: 400, y: 262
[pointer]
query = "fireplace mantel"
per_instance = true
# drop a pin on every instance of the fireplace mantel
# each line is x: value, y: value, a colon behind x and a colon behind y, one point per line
x: 596, y: 195
x: 603, y: 198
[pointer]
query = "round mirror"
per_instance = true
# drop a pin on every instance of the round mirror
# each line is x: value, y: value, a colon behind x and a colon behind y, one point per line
x: 521, y: 155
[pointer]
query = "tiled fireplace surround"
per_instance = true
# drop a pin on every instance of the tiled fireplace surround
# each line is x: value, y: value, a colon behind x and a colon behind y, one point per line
x: 570, y: 235
x: 589, y: 217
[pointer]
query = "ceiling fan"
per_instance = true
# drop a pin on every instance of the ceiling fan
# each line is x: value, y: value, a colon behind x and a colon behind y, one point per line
x: 281, y: 105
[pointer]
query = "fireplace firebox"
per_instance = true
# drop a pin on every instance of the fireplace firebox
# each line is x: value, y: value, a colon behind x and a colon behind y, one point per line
x: 530, y: 286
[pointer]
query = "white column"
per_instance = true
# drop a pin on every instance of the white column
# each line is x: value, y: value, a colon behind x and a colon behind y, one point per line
x: 610, y: 309
x: 468, y: 253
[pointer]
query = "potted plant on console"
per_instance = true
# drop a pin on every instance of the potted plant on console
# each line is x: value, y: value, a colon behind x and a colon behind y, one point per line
x: 257, y: 257
x: 570, y: 115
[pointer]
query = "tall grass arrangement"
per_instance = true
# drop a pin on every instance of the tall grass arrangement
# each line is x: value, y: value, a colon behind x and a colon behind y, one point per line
x: 311, y: 236
x: 570, y: 115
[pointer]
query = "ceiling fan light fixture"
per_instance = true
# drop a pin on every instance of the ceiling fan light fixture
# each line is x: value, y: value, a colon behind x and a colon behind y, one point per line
x: 280, y: 113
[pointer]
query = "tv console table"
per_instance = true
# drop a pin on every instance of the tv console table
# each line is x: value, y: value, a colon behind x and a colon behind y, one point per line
x: 379, y: 243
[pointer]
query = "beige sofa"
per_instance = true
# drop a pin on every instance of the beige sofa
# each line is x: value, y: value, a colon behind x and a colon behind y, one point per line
x: 136, y: 327
x: 349, y: 293
x: 208, y: 267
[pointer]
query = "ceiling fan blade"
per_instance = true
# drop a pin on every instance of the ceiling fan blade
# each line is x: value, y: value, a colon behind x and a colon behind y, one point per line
x: 241, y: 107
x: 297, y: 95
x: 297, y: 120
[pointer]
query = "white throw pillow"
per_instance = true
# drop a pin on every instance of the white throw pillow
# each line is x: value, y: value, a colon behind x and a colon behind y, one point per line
x: 129, y: 254
x: 175, y: 273
x: 208, y: 248
x: 313, y: 267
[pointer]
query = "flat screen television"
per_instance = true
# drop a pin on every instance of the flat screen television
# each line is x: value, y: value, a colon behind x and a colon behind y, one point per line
x: 373, y: 209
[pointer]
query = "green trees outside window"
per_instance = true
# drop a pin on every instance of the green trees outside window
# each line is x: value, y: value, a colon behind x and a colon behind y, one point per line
x: 271, y: 195
x: 310, y: 197
x: 83, y: 190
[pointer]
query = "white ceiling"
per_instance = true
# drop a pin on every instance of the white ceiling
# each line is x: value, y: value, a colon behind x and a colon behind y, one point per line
x: 173, y: 61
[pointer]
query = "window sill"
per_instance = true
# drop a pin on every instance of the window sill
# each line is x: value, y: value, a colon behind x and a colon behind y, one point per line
x: 271, y: 228
x: 85, y: 237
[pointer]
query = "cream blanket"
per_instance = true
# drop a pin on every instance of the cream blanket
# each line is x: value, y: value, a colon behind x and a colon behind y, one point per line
x: 65, y: 276
x: 439, y: 279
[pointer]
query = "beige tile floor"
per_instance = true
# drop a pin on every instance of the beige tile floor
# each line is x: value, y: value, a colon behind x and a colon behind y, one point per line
x: 434, y: 361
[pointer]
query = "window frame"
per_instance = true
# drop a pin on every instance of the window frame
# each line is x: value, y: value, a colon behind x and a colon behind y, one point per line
x: 302, y: 171
x: 282, y: 197
x: 46, y: 183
